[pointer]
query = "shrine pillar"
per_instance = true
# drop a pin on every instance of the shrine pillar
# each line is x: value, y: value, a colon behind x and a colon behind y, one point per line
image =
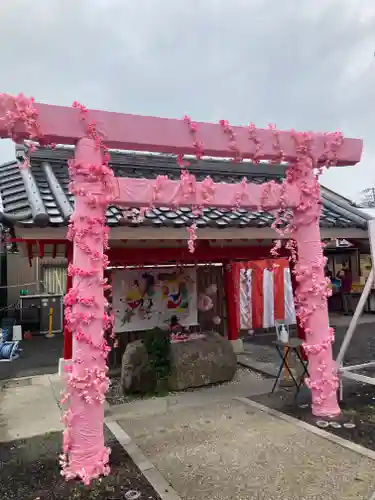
x: 231, y: 293
x: 85, y: 454
x: 68, y: 335
x: 311, y: 295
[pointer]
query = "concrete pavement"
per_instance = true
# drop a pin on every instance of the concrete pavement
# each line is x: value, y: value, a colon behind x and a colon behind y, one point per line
x: 28, y: 408
x: 206, y: 444
x: 260, y: 354
x: 227, y: 450
x: 246, y: 384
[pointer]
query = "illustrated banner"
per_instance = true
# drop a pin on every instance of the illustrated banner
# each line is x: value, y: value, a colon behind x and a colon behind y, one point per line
x: 146, y: 299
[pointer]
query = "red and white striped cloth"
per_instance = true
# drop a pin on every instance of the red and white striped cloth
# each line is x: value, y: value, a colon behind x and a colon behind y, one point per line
x: 265, y: 293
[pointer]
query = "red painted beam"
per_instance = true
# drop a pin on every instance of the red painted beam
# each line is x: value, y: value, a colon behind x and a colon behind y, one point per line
x: 67, y: 249
x: 150, y: 256
x: 41, y: 249
x: 63, y: 125
x: 203, y: 253
x: 34, y: 241
x: 30, y: 253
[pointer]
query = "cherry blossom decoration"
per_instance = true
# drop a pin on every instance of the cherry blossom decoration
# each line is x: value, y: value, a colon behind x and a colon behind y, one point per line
x: 188, y: 181
x: 87, y: 381
x: 205, y: 303
x: 302, y: 227
x: 216, y: 320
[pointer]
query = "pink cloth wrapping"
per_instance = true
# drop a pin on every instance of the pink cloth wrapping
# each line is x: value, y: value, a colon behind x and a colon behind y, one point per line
x: 85, y: 454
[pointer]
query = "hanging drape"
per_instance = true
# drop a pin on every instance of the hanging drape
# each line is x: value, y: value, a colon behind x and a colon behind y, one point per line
x: 266, y: 293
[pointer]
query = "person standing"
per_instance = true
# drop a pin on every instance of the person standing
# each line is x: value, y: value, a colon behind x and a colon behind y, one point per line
x: 328, y: 274
x: 346, y: 277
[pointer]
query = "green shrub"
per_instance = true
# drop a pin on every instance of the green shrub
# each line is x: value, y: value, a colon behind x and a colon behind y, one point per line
x: 158, y: 346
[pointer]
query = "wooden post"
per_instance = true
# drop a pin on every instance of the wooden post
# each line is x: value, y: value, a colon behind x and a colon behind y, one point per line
x: 231, y: 289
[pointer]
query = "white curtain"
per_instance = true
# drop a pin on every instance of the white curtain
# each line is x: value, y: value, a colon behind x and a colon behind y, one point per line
x: 245, y: 299
x: 268, y: 299
x: 246, y: 277
x: 290, y: 312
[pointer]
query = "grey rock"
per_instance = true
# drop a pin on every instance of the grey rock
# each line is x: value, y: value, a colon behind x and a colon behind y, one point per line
x: 201, y: 362
x: 195, y: 363
x: 136, y: 374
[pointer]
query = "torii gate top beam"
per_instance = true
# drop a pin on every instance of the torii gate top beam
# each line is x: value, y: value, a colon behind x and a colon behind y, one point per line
x: 63, y: 125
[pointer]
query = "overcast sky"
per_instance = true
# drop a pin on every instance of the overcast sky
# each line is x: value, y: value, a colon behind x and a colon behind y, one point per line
x: 307, y: 65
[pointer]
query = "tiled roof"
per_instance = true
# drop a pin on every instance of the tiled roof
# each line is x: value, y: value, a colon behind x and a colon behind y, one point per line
x: 40, y: 195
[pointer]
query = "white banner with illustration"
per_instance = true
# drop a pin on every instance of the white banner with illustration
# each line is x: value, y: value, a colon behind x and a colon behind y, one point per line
x: 147, y: 298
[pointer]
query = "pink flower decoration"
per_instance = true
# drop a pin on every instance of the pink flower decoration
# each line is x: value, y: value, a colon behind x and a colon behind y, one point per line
x: 205, y: 302
x: 255, y: 158
x: 216, y: 320
x: 232, y: 140
x: 208, y: 190
x: 192, y: 230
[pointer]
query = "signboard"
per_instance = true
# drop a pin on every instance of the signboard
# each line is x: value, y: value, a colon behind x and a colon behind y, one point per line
x: 147, y: 298
x: 343, y: 243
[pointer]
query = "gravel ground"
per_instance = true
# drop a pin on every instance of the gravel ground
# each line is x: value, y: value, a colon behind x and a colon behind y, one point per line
x: 358, y: 405
x: 358, y: 411
x: 362, y: 346
x: 29, y: 470
x: 115, y: 396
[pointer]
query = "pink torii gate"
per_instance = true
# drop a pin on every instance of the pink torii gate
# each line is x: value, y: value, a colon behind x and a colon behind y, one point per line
x: 94, y: 187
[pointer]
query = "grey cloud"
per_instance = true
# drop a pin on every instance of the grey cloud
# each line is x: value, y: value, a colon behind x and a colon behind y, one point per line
x: 305, y: 65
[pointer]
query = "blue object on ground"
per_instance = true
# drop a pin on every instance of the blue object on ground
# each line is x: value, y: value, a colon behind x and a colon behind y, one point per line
x: 9, y: 350
x: 7, y: 334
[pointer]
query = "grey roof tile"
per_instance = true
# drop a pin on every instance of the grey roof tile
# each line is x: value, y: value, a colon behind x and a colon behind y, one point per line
x: 336, y: 211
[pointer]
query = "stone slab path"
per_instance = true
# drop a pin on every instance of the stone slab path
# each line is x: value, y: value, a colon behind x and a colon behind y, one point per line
x: 228, y: 450
x: 208, y: 445
x: 246, y: 383
x: 28, y: 408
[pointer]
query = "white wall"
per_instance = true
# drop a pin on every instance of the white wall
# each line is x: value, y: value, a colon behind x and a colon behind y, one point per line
x: 22, y: 276
x: 19, y: 273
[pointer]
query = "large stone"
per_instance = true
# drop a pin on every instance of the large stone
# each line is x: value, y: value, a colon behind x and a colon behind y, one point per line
x: 200, y: 362
x: 136, y: 374
x: 195, y: 363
